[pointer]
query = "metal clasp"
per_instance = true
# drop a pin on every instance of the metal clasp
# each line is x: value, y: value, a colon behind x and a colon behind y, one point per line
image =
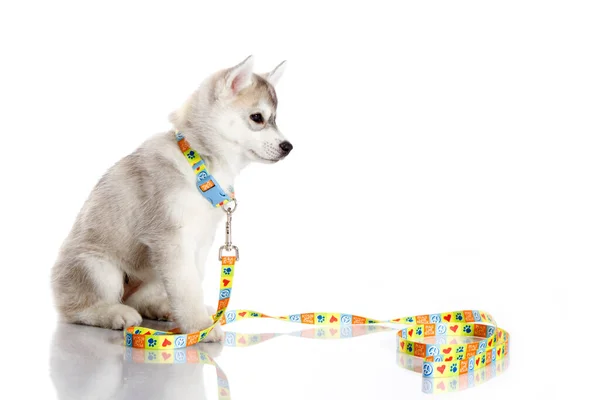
x: 228, y: 246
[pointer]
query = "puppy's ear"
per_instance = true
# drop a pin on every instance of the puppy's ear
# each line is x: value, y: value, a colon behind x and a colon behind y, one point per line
x: 273, y: 76
x: 238, y: 77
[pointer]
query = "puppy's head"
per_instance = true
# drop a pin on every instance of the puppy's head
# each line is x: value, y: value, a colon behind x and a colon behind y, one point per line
x: 240, y: 108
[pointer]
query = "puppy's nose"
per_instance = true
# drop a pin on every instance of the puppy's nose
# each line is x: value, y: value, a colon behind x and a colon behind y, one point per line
x: 286, y: 146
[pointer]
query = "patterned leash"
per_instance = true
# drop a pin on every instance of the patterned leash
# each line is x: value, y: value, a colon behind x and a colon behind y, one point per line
x: 440, y: 360
x: 193, y: 355
x: 489, y: 345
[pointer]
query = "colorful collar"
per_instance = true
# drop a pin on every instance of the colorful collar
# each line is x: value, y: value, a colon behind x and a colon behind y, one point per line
x: 207, y: 185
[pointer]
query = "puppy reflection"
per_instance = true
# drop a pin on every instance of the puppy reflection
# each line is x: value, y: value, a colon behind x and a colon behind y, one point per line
x: 92, y: 363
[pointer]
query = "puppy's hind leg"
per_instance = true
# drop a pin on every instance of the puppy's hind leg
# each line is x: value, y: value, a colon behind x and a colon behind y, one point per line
x: 88, y: 291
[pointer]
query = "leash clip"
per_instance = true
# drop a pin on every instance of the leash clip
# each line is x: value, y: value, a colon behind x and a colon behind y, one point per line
x: 228, y: 246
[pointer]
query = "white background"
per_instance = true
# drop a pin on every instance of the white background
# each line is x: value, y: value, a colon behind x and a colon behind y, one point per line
x: 445, y: 157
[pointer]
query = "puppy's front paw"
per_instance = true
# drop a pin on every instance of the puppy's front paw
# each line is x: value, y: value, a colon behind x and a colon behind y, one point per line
x: 215, y: 335
x: 121, y: 316
x: 200, y: 321
x: 157, y: 309
x: 188, y: 325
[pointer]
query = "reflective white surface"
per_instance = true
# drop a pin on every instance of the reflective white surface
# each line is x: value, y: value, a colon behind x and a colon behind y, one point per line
x: 290, y: 362
x: 281, y: 360
x: 87, y: 362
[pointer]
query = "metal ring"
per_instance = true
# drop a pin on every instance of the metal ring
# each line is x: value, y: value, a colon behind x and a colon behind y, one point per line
x: 230, y: 210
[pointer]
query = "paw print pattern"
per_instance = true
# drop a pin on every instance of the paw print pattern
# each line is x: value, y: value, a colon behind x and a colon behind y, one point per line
x: 453, y: 368
x: 191, y: 154
x: 409, y: 347
x: 460, y: 349
x: 410, y: 319
x: 151, y: 342
x: 254, y: 314
x: 467, y: 329
x: 459, y: 357
x: 151, y: 356
x: 203, y: 335
x: 419, y: 331
x: 227, y: 271
x: 320, y: 319
x: 137, y: 332
x: 459, y: 316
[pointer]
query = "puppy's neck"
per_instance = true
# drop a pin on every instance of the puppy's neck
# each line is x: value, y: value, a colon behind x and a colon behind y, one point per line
x: 223, y: 159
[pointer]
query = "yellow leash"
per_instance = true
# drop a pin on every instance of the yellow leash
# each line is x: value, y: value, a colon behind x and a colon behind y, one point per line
x: 490, y: 343
x: 439, y: 360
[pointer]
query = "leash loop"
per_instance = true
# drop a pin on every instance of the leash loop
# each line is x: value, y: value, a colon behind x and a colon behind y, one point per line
x: 228, y: 207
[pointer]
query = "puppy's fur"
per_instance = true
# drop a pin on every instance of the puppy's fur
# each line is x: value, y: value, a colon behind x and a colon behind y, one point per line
x: 145, y: 219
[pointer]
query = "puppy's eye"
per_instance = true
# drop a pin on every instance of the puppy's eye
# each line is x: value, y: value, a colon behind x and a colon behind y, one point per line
x: 258, y: 118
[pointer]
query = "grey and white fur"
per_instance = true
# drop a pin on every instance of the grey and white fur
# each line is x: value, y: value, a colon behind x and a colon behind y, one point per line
x: 145, y: 221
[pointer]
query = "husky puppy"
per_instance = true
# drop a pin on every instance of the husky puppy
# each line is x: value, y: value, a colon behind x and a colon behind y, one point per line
x: 139, y: 244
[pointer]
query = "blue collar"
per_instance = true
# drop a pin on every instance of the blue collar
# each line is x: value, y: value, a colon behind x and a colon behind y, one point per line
x: 207, y: 185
